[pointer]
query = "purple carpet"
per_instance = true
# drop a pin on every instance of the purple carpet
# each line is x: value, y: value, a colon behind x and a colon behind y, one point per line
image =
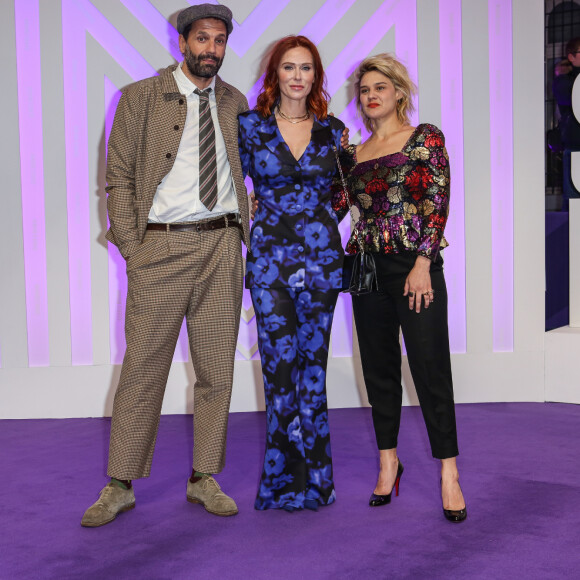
x: 520, y: 472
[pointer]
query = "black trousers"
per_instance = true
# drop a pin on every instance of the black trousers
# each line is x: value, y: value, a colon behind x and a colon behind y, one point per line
x: 378, y: 317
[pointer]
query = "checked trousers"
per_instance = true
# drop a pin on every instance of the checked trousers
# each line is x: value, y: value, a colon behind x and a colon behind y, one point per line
x: 171, y: 276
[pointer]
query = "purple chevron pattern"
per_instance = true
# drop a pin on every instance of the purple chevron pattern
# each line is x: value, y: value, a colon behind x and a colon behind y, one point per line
x: 132, y: 39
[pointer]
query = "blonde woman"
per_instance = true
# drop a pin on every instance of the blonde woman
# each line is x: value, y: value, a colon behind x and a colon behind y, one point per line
x: 399, y: 181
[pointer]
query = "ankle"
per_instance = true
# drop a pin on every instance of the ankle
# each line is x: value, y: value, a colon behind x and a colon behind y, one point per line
x: 122, y: 483
x: 449, y: 475
x: 388, y: 462
x: 197, y: 475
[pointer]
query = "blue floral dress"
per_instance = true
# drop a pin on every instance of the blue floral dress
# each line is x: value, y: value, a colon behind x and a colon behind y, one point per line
x: 294, y: 275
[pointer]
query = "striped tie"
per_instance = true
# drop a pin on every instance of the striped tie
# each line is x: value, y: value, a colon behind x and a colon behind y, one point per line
x: 207, y: 155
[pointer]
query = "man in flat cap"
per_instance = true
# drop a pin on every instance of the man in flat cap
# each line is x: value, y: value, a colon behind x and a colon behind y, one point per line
x: 178, y: 211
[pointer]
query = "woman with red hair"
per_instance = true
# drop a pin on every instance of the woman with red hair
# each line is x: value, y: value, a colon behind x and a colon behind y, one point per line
x: 294, y: 269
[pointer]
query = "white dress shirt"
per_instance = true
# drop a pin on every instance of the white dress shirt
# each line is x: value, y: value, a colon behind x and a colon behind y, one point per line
x: 177, y: 196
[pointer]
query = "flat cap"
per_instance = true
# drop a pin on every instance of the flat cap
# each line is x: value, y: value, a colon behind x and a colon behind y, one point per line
x: 199, y: 11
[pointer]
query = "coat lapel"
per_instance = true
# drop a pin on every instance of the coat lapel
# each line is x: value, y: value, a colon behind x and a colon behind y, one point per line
x: 220, y: 90
x: 169, y: 87
x: 227, y: 116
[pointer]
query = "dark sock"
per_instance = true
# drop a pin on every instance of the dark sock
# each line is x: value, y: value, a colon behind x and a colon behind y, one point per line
x: 197, y: 475
x: 123, y: 483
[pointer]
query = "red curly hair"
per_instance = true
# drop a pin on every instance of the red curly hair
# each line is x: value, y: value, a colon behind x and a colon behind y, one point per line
x: 317, y: 101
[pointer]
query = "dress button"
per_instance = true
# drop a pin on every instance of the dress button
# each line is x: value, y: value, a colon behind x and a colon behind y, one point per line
x: 180, y: 101
x: 376, y: 165
x: 168, y: 155
x: 176, y: 127
x: 296, y: 187
x: 298, y: 207
x: 300, y: 249
x: 298, y: 226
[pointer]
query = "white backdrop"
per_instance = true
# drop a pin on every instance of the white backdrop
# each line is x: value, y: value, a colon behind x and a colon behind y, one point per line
x: 479, y: 67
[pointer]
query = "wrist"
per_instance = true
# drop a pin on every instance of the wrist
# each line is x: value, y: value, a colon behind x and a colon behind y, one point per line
x: 423, y: 263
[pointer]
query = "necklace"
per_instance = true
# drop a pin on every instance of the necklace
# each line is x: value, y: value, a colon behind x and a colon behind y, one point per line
x: 293, y: 120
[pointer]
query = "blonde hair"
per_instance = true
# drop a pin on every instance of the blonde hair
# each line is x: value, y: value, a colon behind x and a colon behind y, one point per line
x: 397, y: 73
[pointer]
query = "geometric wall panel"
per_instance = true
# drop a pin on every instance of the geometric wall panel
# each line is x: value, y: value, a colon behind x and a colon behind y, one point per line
x: 65, y: 62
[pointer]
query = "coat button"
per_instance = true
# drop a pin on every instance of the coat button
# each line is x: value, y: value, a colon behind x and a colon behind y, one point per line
x: 176, y: 127
x: 180, y: 101
x: 168, y: 155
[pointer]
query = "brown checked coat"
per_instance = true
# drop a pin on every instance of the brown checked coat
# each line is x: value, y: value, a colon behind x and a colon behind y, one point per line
x: 142, y: 148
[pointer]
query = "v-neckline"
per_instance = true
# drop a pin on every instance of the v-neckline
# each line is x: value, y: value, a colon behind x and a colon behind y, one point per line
x: 297, y: 160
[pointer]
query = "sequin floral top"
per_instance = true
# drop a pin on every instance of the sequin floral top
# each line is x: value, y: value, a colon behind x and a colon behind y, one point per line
x: 403, y: 198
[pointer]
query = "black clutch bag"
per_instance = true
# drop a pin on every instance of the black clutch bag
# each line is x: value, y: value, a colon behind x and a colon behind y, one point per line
x: 359, y: 274
x: 359, y: 271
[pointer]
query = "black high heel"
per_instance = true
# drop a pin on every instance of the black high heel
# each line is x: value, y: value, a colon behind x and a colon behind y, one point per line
x: 455, y: 516
x: 377, y: 500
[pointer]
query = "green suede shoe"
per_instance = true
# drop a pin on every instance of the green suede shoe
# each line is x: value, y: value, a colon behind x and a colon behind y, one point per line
x: 206, y: 491
x: 112, y: 501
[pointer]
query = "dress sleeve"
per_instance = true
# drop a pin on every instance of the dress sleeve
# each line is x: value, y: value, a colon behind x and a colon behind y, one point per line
x: 244, y: 127
x: 339, y: 201
x: 337, y: 130
x: 434, y: 203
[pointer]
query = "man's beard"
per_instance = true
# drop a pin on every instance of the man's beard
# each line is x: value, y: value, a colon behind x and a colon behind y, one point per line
x: 204, y: 71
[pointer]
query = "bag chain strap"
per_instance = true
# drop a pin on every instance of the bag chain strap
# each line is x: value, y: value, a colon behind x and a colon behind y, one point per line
x: 345, y: 191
